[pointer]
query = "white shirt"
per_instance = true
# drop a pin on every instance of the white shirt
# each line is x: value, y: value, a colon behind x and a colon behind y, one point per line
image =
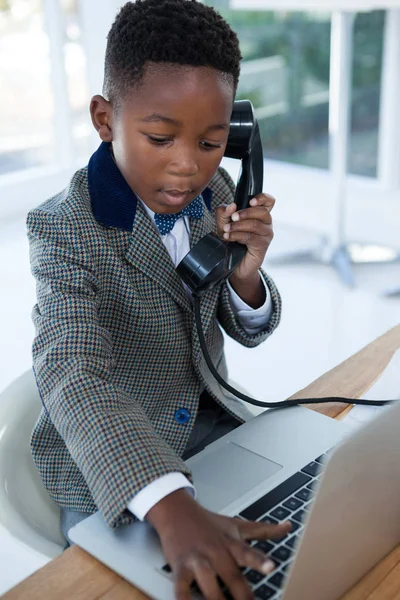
x: 252, y: 320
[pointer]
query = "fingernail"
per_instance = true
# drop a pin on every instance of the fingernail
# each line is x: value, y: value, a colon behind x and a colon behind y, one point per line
x: 227, y: 227
x: 253, y: 202
x: 226, y: 236
x: 235, y: 217
x: 267, y: 567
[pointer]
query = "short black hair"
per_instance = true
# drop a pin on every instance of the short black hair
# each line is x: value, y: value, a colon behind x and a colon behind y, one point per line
x: 181, y: 32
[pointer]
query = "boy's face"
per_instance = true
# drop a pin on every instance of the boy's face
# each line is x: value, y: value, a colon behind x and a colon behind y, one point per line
x: 170, y: 134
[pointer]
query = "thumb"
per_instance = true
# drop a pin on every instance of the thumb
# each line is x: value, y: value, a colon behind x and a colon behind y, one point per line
x: 223, y: 216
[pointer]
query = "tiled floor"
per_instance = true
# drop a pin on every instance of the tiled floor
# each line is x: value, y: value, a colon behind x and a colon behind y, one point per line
x: 323, y: 323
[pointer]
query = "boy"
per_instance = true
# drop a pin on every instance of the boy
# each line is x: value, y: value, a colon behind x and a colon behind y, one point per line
x: 126, y: 392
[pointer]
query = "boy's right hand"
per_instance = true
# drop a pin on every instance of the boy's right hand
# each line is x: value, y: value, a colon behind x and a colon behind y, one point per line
x: 200, y: 545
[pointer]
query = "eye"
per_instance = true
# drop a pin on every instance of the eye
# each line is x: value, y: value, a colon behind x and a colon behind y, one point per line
x: 208, y: 146
x: 159, y: 141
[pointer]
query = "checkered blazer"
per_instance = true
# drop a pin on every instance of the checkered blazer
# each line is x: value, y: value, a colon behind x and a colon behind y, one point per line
x: 116, y: 352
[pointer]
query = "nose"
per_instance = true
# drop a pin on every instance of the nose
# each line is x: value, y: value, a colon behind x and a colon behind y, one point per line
x: 183, y: 163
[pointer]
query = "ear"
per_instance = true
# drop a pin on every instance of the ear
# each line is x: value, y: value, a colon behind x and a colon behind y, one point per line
x: 101, y: 114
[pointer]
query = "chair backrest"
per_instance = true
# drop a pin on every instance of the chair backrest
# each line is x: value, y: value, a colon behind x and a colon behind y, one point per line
x: 26, y: 509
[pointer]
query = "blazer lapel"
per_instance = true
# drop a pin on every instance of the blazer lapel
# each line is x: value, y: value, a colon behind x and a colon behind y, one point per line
x: 115, y: 206
x: 198, y: 229
x: 147, y: 252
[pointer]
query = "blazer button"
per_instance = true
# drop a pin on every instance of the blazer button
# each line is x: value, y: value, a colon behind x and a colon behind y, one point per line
x: 182, y: 416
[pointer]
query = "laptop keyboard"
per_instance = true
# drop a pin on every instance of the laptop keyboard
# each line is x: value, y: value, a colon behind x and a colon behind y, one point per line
x: 289, y: 501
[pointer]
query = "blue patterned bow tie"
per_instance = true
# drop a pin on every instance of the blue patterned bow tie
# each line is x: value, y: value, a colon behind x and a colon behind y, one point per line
x: 166, y: 222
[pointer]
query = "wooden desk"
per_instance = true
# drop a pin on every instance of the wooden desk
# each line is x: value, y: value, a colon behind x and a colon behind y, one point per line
x: 75, y: 574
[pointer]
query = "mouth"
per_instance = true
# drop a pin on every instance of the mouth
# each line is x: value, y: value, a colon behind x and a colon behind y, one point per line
x: 176, y: 196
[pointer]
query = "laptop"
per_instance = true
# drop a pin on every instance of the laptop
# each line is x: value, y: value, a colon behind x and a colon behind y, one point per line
x: 340, y: 490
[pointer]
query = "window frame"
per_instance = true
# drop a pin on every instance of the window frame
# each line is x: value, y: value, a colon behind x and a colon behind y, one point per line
x: 345, y: 197
x: 26, y: 188
x: 314, y: 5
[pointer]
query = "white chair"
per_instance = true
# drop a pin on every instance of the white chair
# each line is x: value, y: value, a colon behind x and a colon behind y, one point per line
x: 26, y: 510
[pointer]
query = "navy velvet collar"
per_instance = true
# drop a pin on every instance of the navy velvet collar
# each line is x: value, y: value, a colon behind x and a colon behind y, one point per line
x: 113, y: 201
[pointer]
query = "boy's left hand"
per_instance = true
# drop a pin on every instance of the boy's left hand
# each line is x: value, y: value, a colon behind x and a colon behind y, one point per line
x: 251, y: 226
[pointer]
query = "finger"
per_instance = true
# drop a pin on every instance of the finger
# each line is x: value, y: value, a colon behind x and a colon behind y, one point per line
x: 251, y: 226
x: 257, y: 212
x: 206, y: 579
x: 255, y: 530
x: 230, y: 209
x: 263, y: 200
x: 246, y: 556
x: 235, y: 582
x: 223, y: 216
x: 247, y: 238
x: 183, y: 581
x: 243, y: 237
x: 226, y: 568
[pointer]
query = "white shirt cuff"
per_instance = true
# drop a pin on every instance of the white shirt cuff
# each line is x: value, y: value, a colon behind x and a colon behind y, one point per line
x: 155, y: 491
x: 253, y: 320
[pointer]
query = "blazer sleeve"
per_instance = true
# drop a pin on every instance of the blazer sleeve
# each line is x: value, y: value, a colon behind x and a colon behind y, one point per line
x: 107, y: 433
x: 223, y: 193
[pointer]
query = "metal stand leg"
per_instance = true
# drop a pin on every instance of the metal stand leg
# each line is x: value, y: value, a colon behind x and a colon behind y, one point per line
x: 337, y: 252
x: 342, y: 258
x: 341, y: 261
x: 392, y: 293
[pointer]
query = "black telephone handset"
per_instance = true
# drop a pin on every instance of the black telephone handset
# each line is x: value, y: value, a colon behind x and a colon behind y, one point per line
x: 212, y: 260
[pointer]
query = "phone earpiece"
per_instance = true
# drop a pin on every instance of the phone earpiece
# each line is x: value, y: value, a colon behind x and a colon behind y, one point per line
x: 244, y: 142
x: 212, y: 260
x: 241, y: 129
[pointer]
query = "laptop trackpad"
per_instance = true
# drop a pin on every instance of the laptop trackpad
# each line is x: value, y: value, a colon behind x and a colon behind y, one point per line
x: 228, y: 472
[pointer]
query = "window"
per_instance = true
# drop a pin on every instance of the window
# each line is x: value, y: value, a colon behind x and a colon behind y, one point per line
x: 44, y: 84
x: 26, y: 100
x: 366, y: 92
x: 77, y: 84
x: 285, y: 73
x: 51, y: 62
